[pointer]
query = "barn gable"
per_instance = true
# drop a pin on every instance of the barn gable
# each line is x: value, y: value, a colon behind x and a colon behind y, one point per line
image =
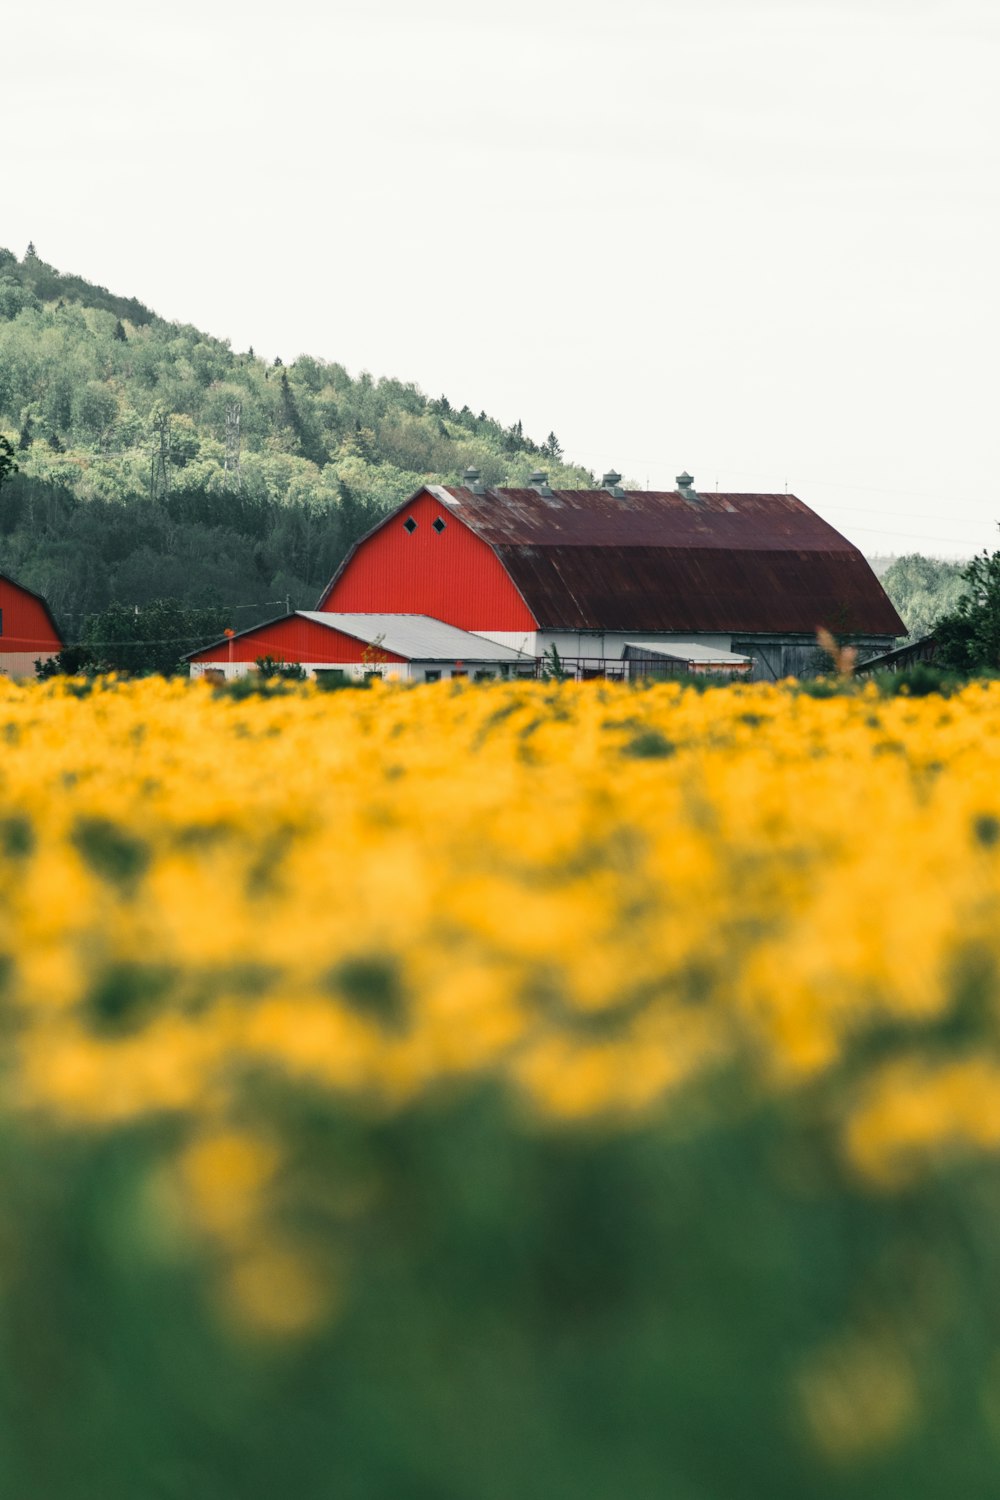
x: 292, y: 638
x: 426, y: 559
x: 409, y: 646
x: 27, y: 630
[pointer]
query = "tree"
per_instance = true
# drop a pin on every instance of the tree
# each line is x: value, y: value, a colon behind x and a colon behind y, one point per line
x: 968, y: 638
x: 125, y: 638
x: 8, y: 464
x: 923, y: 589
x: 276, y: 666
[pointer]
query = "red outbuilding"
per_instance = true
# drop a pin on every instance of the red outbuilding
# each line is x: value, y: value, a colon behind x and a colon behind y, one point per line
x: 28, y: 633
x: 408, y: 647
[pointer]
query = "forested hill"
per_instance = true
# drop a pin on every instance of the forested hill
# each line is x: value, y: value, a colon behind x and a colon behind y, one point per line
x: 156, y: 461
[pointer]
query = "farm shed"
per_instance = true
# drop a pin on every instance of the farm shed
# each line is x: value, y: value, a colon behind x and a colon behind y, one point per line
x: 413, y: 648
x: 679, y: 658
x: 28, y: 633
x: 587, y: 571
x: 910, y: 654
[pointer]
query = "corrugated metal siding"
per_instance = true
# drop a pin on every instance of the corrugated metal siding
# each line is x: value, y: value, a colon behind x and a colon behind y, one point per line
x: 451, y: 575
x: 292, y: 639
x: 28, y: 625
x: 22, y: 663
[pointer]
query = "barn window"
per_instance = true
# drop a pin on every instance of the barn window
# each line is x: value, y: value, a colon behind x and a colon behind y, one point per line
x: 439, y: 525
x: 1, y: 622
x: 410, y: 525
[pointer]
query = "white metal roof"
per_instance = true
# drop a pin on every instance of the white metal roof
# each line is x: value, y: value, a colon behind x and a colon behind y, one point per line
x: 417, y: 637
x: 692, y: 651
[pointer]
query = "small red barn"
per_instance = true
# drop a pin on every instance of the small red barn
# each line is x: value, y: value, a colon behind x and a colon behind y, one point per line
x: 593, y: 571
x: 28, y: 633
x: 406, y: 646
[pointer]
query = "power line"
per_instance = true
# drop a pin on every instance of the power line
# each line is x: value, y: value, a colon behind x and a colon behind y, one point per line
x: 912, y: 536
x: 890, y: 529
x: 870, y: 489
x: 169, y: 640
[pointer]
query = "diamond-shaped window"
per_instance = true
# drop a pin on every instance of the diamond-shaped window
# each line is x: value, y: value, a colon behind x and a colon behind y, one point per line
x: 439, y: 525
x: 410, y: 525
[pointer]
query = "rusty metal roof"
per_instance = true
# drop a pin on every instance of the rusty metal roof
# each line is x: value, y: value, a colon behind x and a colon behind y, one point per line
x: 651, y: 560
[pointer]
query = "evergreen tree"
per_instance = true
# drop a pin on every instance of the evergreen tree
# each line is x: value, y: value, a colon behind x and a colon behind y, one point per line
x: 968, y: 639
x: 8, y: 464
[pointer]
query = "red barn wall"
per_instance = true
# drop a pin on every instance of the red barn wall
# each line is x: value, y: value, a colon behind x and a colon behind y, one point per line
x: 295, y: 639
x: 452, y: 575
x: 26, y: 631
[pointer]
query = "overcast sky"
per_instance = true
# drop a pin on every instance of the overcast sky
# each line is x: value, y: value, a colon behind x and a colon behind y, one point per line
x: 758, y: 241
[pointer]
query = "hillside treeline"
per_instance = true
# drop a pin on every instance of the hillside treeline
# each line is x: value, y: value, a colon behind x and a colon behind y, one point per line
x: 157, y: 461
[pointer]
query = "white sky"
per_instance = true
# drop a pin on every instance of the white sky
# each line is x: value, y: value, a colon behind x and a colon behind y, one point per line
x: 756, y: 240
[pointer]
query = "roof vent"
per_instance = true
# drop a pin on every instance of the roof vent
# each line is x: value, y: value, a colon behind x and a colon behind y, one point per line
x: 472, y: 481
x: 540, y: 482
x: 612, y: 483
x: 685, y: 483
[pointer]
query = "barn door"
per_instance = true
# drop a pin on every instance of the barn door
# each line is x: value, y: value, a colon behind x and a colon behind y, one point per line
x: 768, y: 663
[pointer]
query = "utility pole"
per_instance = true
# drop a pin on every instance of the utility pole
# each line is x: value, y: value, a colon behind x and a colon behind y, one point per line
x: 159, y: 471
x: 233, y: 445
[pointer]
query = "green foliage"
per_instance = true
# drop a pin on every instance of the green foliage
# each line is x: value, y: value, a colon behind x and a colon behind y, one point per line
x: 259, y: 685
x: 273, y: 666
x: 968, y: 637
x: 115, y: 855
x: 8, y: 464
x: 523, y: 1311
x: 552, y: 669
x: 134, y: 485
x: 923, y: 589
x: 650, y: 745
x: 134, y: 641
x: 918, y: 681
x: 71, y: 661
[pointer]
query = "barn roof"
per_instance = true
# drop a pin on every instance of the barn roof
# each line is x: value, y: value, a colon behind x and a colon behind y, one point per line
x: 689, y: 651
x: 654, y: 560
x: 417, y: 637
x: 413, y: 637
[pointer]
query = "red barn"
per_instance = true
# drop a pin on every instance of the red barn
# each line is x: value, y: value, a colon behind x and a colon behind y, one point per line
x: 594, y: 571
x: 405, y: 646
x: 28, y: 633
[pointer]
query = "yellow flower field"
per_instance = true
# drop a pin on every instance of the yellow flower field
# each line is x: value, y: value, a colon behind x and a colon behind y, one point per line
x: 613, y: 911
x: 591, y: 892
